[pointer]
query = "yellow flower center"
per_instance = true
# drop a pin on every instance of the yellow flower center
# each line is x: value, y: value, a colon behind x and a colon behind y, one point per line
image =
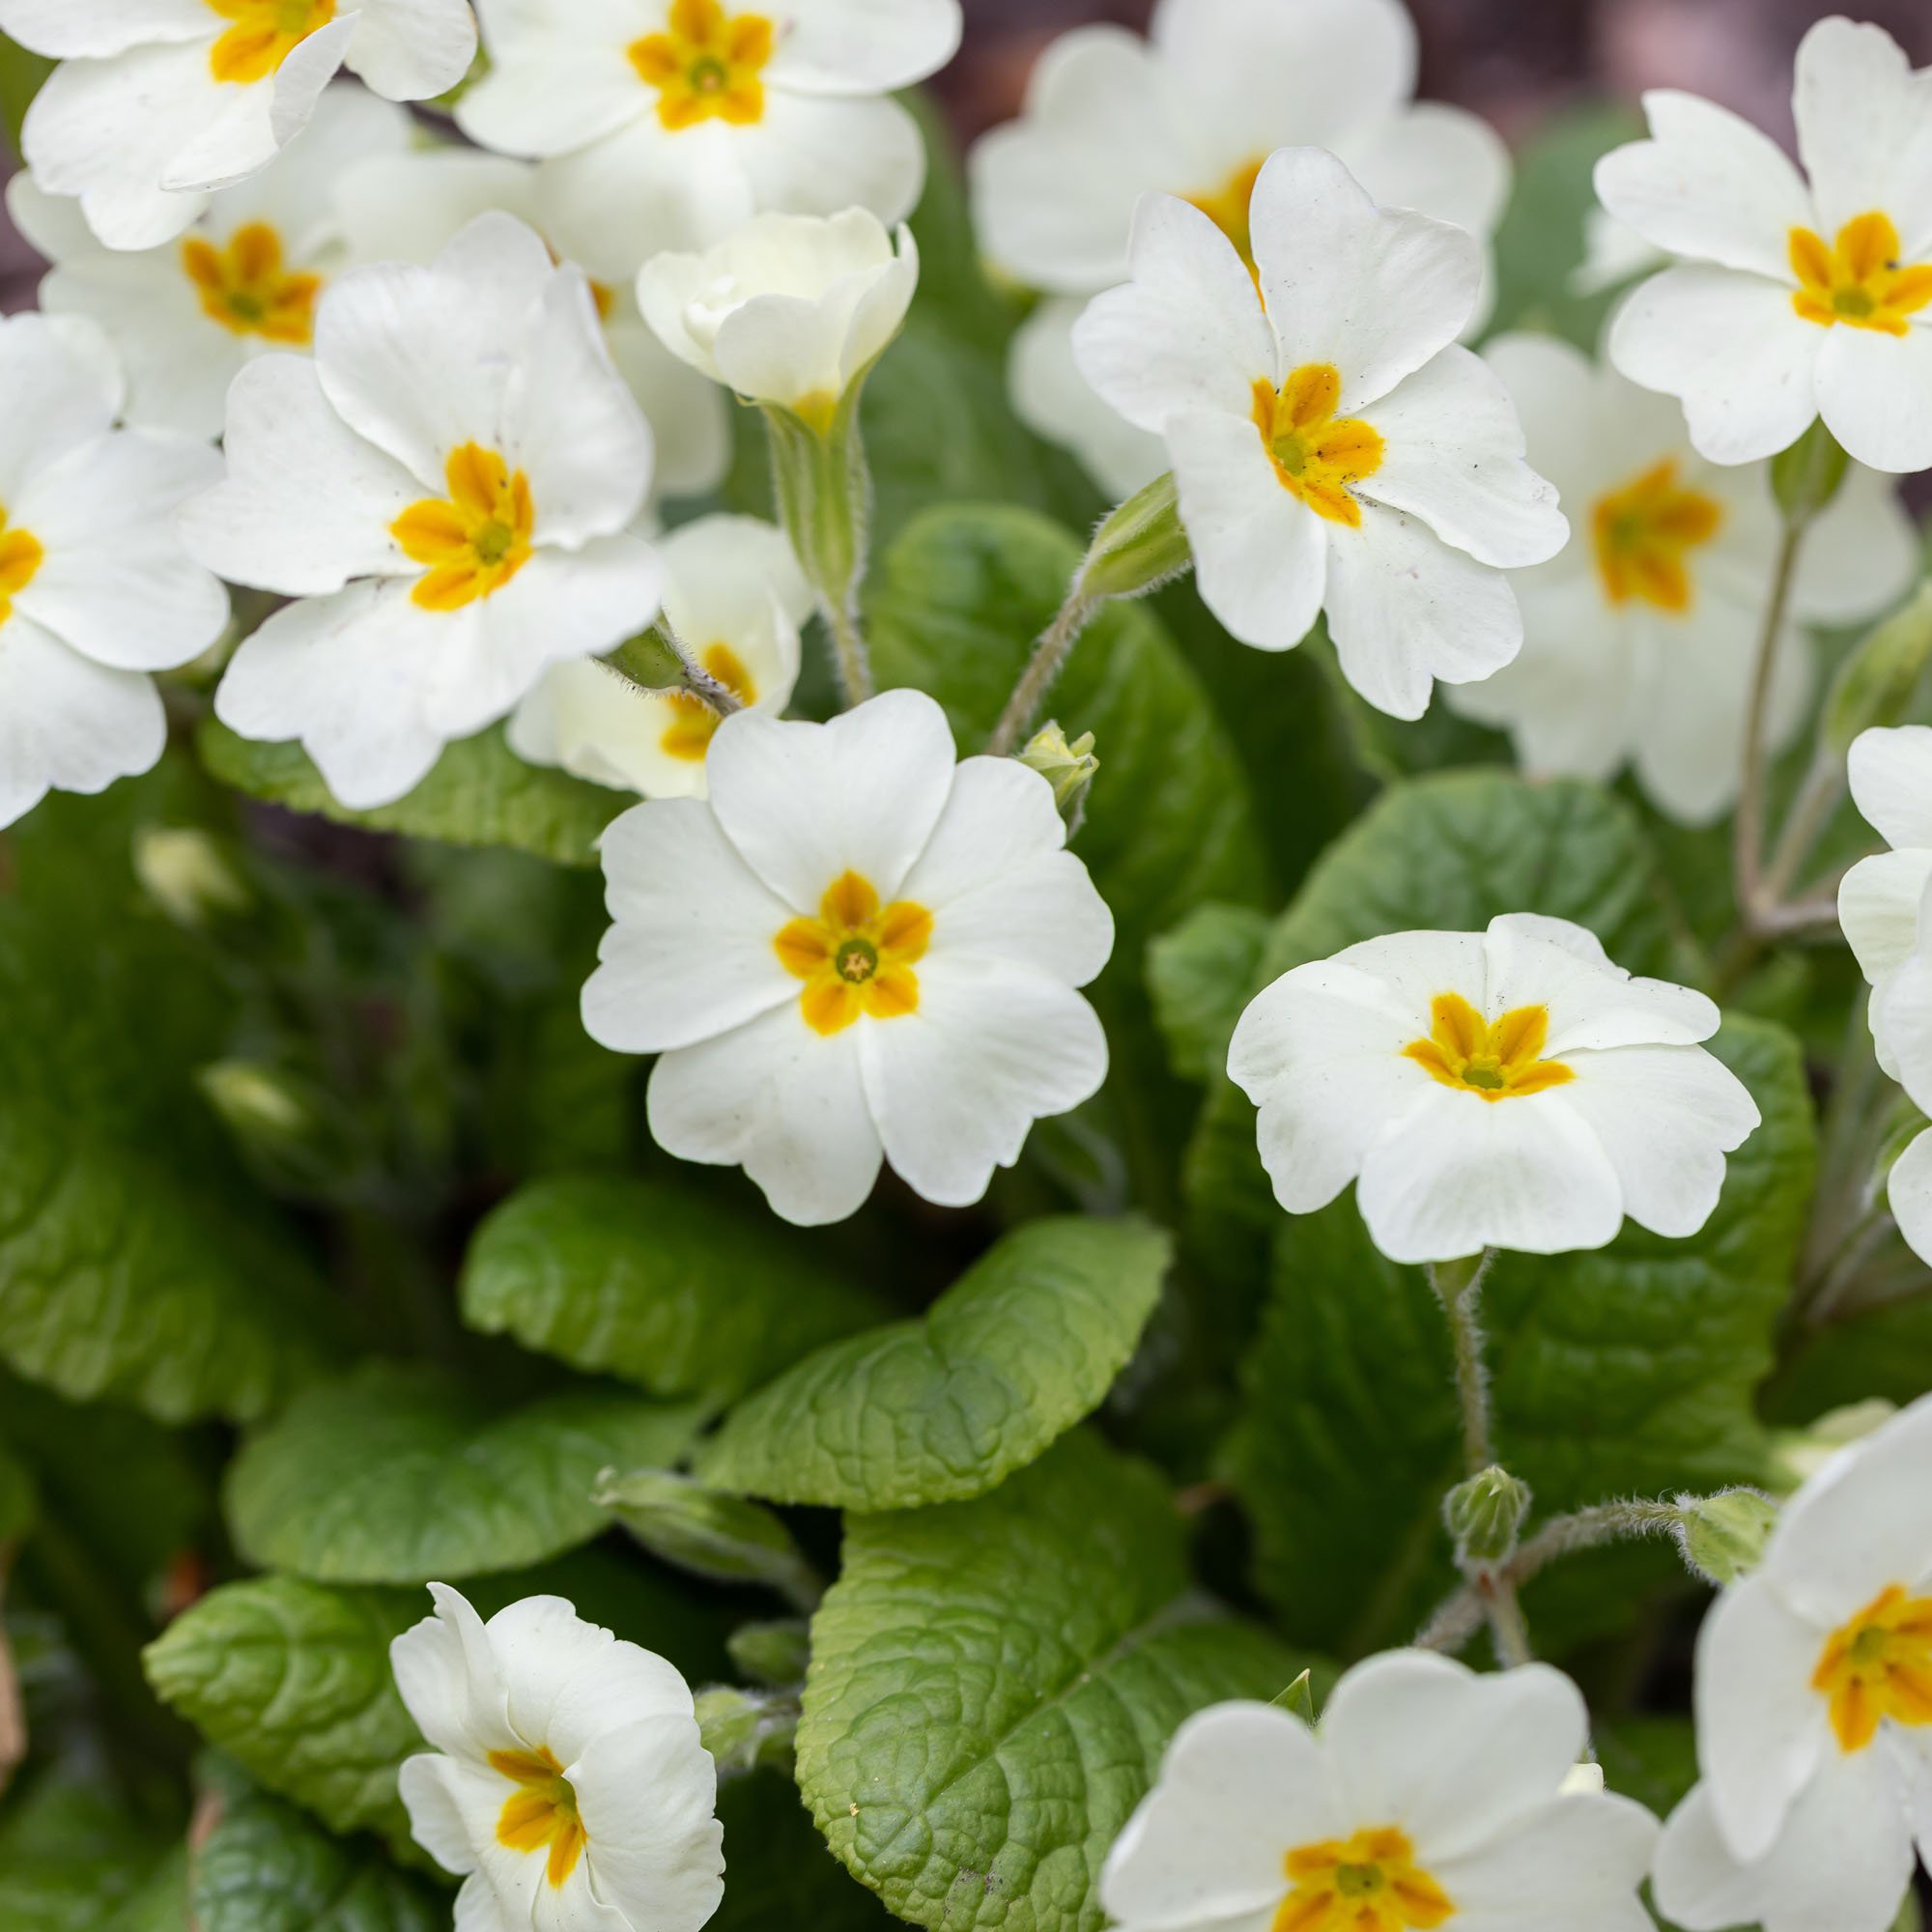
x: 246, y: 288
x: 474, y: 542
x: 856, y: 957
x: 1859, y: 279
x: 1369, y: 1882
x: 1878, y: 1665
x: 1316, y: 458
x: 1644, y: 533
x: 1501, y: 1060
x: 706, y: 66
x: 1227, y: 208
x: 22, y: 555
x: 691, y: 730
x: 542, y: 1811
x: 263, y: 34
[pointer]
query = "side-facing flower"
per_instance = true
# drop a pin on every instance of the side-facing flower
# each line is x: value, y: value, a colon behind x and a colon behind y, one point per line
x: 854, y: 951
x: 1791, y: 299
x: 155, y: 106
x: 1333, y: 448
x: 1428, y: 1797
x: 567, y: 1784
x: 1193, y: 110
x: 1509, y: 1089
x: 668, y: 123
x: 409, y: 206
x: 734, y: 593
x: 244, y: 280
x: 1814, y: 1708
x: 446, y: 491
x: 1640, y: 640
x: 1879, y: 900
x: 96, y: 591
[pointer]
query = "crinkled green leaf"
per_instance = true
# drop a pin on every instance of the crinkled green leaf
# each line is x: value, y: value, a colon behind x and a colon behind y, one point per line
x: 933, y: 1410
x: 1199, y: 976
x: 481, y: 793
x: 1628, y: 1370
x: 393, y: 1476
x: 992, y: 1684
x: 648, y: 1281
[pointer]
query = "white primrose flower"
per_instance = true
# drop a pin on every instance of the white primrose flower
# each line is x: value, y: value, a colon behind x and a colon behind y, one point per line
x: 1814, y: 1708
x: 1880, y: 898
x: 1509, y: 1089
x: 446, y: 491
x: 1428, y: 1797
x: 407, y: 207
x: 567, y: 1785
x: 1333, y: 448
x: 854, y: 951
x: 157, y: 102
x: 1791, y: 298
x: 244, y: 280
x: 1194, y: 110
x: 1640, y: 640
x: 734, y: 593
x: 668, y: 123
x: 96, y: 589
x: 792, y: 310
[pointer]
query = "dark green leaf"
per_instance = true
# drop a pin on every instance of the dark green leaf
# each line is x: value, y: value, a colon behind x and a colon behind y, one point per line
x: 777, y: 1870
x: 1199, y: 976
x: 70, y: 1857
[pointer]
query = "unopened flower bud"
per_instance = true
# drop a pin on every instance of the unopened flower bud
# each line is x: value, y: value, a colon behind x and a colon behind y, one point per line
x: 1486, y: 1515
x: 1722, y: 1537
x: 189, y: 875
x: 1069, y: 768
x: 744, y: 1729
x: 1799, y: 1454
x: 1139, y: 547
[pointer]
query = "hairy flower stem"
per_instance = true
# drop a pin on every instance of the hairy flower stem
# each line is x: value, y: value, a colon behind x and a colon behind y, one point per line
x: 1458, y: 1288
x: 661, y: 660
x: 1049, y: 656
x: 1748, y: 831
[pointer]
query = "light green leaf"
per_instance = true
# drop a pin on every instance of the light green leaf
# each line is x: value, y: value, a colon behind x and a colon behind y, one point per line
x: 1009, y: 1358
x: 267, y: 1868
x: 1626, y: 1371
x: 292, y: 1680
x: 481, y: 793
x: 1199, y: 976
x: 723, y: 1538
x: 648, y: 1281
x: 993, y: 1682
x: 392, y: 1476
x: 161, y: 1905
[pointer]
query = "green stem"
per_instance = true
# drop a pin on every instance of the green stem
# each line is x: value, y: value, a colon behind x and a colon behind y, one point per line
x: 1458, y: 1288
x: 1805, y: 825
x: 1049, y: 657
x: 1748, y: 831
x: 824, y: 492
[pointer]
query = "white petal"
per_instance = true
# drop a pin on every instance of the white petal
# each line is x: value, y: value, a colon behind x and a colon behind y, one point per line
x: 1462, y: 1174
x: 820, y: 157
x: 63, y: 29
x: 1902, y: 1021
x: 724, y: 576
x: 1875, y: 394
x: 1186, y: 334
x: 67, y: 724
x: 451, y: 1680
x: 1438, y: 159
x: 1891, y: 773
x: 864, y: 47
x: 406, y: 207
x: 689, y: 417
x: 1878, y: 907
x: 1862, y: 129
x: 956, y: 1087
x: 413, y: 49
x: 1843, y: 1863
x: 804, y: 804
x: 780, y: 1101
x: 446, y: 1797
x: 660, y: 1862
x: 1577, y: 1862
x: 1860, y: 556
x: 307, y: 503
x: 63, y: 390
x: 1558, y: 393
x: 1708, y: 185
x: 1534, y: 960
x: 245, y: 126
x: 1454, y: 1756
x: 1454, y: 456
x: 1732, y: 348
x: 1054, y: 400
x: 1374, y: 291
x: 1259, y: 555
x: 1762, y: 1731
x: 1239, y: 1784
x: 1405, y: 609
x: 690, y: 954
x: 1909, y: 1195
x: 116, y: 582
x: 555, y: 81
x: 52, y: 223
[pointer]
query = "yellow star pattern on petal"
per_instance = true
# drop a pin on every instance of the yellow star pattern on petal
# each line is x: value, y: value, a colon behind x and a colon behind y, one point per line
x: 707, y: 66
x: 476, y: 540
x: 1316, y: 458
x: 856, y: 957
x: 1500, y: 1060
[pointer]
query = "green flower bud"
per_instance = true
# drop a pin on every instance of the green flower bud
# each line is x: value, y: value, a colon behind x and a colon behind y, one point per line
x: 774, y: 1653
x: 1486, y: 1515
x: 1069, y: 768
x: 1140, y: 547
x: 1724, y: 1536
x: 744, y: 1729
x: 189, y: 875
x: 725, y: 1538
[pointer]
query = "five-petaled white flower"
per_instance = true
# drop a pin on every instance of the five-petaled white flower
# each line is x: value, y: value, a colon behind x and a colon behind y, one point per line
x: 668, y: 123
x: 1640, y: 640
x: 793, y: 309
x: 1194, y: 110
x: 1508, y: 1089
x: 1428, y: 1797
x: 1334, y: 450
x: 157, y: 103
x: 244, y: 280
x: 1814, y: 1708
x: 568, y: 1784
x: 734, y: 593
x: 855, y: 949
x: 447, y: 490
x: 96, y: 591
x: 409, y: 206
x: 1792, y: 300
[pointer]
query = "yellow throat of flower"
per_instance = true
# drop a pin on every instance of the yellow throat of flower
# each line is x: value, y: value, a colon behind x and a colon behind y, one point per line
x: 263, y: 36
x: 856, y: 957
x: 541, y: 1814
x: 1858, y: 280
x: 1368, y: 1883
x: 1645, y: 534
x: 1878, y: 1665
x: 707, y: 66
x: 1498, y: 1059
x: 1228, y: 207
x: 475, y: 541
x: 22, y: 555
x: 694, y: 723
x: 249, y: 290
x: 1318, y: 459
